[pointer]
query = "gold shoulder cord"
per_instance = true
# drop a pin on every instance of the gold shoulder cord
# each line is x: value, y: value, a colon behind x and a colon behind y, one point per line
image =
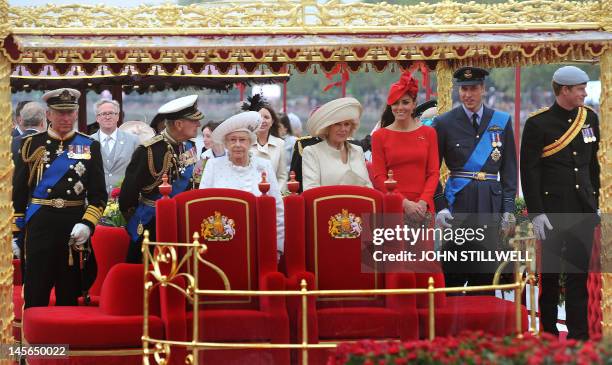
x: 34, y: 161
x: 157, y: 175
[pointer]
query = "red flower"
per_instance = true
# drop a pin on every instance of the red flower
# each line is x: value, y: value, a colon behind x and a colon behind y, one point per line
x: 115, y: 193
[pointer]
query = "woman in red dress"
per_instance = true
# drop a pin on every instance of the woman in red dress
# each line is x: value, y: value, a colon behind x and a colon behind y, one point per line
x: 410, y: 150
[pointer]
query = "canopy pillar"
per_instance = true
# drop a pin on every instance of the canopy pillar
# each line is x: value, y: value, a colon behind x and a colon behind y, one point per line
x: 6, y: 188
x: 605, y: 196
x: 444, y: 73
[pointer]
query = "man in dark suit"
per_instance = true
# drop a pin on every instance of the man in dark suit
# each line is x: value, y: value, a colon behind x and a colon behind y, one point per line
x: 33, y: 120
x: 560, y: 179
x: 477, y: 145
x: 18, y: 128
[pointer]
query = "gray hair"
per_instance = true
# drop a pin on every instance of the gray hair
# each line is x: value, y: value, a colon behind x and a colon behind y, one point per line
x: 101, y: 102
x: 32, y: 114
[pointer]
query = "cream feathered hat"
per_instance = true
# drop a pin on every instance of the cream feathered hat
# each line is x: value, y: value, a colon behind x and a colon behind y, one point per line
x: 334, y: 112
x: 242, y: 122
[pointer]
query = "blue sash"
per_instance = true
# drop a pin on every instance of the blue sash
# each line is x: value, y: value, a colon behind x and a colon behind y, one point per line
x: 53, y: 174
x: 477, y: 159
x: 145, y: 213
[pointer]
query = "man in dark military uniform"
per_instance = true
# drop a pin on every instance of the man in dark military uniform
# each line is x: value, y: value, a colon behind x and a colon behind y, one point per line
x: 58, y: 196
x: 172, y: 153
x: 560, y: 180
x: 477, y: 144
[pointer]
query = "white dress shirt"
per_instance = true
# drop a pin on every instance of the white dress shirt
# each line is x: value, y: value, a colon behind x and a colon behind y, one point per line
x: 104, y: 139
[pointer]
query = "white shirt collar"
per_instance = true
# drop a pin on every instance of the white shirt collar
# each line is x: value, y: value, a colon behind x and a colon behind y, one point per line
x: 469, y: 112
x: 113, y: 135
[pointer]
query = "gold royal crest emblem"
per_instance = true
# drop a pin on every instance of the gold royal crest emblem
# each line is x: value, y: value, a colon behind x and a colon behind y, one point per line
x: 345, y: 225
x: 218, y: 227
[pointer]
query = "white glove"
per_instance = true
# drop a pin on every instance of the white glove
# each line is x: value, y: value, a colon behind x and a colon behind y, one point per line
x: 442, y: 217
x: 80, y: 233
x: 16, y: 250
x: 539, y: 222
x: 508, y: 223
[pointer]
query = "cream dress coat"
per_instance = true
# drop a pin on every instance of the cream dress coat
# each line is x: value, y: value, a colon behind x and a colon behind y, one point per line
x: 275, y: 153
x: 322, y: 165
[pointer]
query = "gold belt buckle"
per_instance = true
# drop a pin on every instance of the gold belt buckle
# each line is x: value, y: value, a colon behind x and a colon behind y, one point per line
x: 481, y: 176
x: 58, y: 203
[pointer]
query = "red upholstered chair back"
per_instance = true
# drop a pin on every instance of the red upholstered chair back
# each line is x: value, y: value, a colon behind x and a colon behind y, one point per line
x: 122, y: 293
x: 110, y: 245
x: 333, y: 241
x: 228, y: 223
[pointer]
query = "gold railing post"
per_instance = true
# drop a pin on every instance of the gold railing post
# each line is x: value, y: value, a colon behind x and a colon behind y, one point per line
x: 6, y: 173
x: 304, y: 290
x: 431, y: 315
x: 605, y: 196
x: 196, y: 296
x: 145, y: 301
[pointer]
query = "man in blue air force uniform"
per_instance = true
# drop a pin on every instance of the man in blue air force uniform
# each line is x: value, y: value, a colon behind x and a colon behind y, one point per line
x: 172, y: 152
x: 58, y: 197
x: 477, y: 145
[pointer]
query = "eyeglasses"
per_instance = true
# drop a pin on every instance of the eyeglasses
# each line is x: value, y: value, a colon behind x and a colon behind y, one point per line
x: 107, y: 114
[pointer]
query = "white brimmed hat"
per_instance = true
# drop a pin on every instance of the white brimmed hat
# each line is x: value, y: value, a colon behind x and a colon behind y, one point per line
x: 334, y: 112
x: 181, y: 108
x: 242, y: 122
x: 62, y: 99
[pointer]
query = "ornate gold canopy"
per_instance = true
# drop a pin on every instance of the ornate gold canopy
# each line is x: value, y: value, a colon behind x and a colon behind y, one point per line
x: 294, y: 35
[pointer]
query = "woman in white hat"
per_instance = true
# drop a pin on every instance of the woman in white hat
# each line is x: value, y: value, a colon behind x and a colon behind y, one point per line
x: 239, y: 168
x: 268, y: 143
x: 334, y: 161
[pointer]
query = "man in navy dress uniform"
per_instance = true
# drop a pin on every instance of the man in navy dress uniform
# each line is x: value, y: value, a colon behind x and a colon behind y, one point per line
x: 560, y: 179
x: 172, y: 153
x: 58, y: 197
x: 477, y: 145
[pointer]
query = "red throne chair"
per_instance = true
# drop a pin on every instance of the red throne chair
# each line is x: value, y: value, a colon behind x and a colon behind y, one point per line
x: 328, y: 256
x: 110, y: 333
x: 110, y: 245
x: 239, y: 230
x: 454, y: 314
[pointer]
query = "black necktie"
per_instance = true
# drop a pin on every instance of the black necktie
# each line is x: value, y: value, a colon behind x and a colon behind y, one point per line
x: 475, y: 122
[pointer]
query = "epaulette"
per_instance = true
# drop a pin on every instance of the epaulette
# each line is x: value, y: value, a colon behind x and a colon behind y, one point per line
x: 590, y: 108
x: 33, y: 134
x: 539, y: 111
x: 153, y: 140
x: 85, y: 135
x: 299, y: 143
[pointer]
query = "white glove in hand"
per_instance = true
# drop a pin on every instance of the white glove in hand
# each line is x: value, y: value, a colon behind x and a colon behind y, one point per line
x: 539, y: 222
x: 508, y: 223
x: 443, y: 217
x: 16, y: 250
x: 80, y: 233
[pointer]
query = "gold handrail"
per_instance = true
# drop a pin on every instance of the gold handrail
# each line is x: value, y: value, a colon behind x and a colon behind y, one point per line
x: 162, y: 347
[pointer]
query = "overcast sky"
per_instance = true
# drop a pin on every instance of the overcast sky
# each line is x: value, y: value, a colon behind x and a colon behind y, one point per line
x: 127, y: 3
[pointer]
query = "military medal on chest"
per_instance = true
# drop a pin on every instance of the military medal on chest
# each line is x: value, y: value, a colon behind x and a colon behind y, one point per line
x: 187, y: 158
x: 495, y: 143
x: 79, y: 152
x: 588, y: 135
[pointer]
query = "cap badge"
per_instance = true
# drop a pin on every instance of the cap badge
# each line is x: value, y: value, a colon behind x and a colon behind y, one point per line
x: 65, y: 96
x: 467, y: 74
